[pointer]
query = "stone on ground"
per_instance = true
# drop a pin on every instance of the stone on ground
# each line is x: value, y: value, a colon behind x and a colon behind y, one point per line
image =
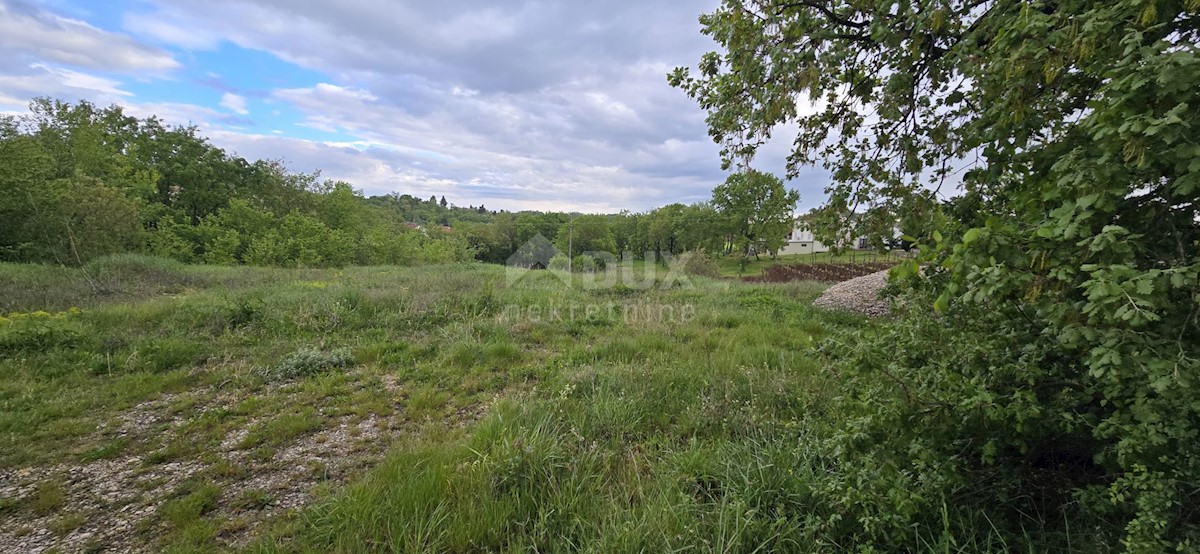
x: 859, y: 295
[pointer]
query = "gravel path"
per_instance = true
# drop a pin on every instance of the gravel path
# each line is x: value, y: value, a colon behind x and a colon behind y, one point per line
x: 860, y: 295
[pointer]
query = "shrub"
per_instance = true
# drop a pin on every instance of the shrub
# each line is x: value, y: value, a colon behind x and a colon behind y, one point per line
x: 39, y: 331
x: 944, y: 408
x: 560, y: 262
x: 698, y: 263
x: 584, y: 263
x: 310, y: 361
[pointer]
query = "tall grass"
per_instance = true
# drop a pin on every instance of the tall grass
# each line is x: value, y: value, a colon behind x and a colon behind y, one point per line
x: 603, y: 433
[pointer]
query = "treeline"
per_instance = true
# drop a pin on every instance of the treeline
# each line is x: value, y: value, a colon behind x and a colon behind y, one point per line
x: 78, y: 182
x: 750, y: 214
x: 671, y: 229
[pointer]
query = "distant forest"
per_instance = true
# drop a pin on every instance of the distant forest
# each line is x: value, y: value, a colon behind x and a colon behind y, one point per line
x: 78, y: 181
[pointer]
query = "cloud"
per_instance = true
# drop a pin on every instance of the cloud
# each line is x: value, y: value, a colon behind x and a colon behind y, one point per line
x: 20, y: 84
x: 539, y: 104
x: 173, y: 33
x: 39, y: 36
x: 234, y: 103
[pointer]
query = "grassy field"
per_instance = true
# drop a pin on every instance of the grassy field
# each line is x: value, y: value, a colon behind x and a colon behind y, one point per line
x: 151, y: 405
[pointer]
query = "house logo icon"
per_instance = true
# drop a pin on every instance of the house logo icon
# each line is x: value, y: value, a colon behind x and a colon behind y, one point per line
x: 534, y: 255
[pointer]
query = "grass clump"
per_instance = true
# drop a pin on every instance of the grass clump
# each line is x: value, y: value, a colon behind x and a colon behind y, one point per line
x: 37, y: 331
x: 309, y: 361
x: 253, y: 499
x: 283, y: 428
x: 69, y: 522
x: 49, y: 497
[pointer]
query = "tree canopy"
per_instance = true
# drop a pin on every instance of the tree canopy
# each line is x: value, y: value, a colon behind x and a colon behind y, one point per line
x: 757, y: 210
x: 78, y: 182
x: 1070, y: 130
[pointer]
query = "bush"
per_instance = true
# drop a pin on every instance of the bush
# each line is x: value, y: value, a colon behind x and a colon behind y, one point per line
x: 584, y: 263
x: 942, y: 414
x: 310, y: 361
x: 39, y: 331
x: 560, y: 262
x: 698, y: 263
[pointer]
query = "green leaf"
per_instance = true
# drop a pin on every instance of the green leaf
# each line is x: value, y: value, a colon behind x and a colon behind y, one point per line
x: 942, y: 302
x: 971, y: 235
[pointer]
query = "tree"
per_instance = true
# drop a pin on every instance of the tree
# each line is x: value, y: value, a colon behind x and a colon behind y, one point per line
x: 1072, y: 127
x: 592, y: 234
x: 757, y: 209
x: 699, y: 229
x: 530, y: 224
x: 663, y: 227
x: 443, y: 202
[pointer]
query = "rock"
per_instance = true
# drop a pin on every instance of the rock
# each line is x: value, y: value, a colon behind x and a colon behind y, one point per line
x: 859, y: 295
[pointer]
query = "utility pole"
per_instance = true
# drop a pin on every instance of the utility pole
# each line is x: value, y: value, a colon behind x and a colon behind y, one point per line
x: 570, y: 245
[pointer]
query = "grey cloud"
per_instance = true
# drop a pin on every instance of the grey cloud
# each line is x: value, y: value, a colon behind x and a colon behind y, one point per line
x: 556, y: 101
x: 528, y: 104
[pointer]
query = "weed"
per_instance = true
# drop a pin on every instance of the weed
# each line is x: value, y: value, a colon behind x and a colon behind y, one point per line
x: 48, y: 497
x: 190, y: 506
x: 282, y: 429
x: 67, y: 522
x: 253, y: 499
x: 106, y: 451
x: 309, y: 361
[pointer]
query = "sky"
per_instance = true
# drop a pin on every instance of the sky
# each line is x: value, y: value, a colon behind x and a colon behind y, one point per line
x: 518, y: 105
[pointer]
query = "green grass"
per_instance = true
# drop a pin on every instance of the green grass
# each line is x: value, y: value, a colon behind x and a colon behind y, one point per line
x: 621, y: 417
x: 648, y: 414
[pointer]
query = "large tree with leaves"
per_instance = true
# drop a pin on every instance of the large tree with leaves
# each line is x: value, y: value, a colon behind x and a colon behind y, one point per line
x: 757, y: 211
x: 1072, y: 129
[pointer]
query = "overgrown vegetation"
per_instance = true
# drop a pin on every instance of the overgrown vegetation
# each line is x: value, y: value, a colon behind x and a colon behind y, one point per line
x: 1035, y: 391
x: 79, y: 182
x: 309, y: 361
x: 1054, y: 388
x: 177, y: 372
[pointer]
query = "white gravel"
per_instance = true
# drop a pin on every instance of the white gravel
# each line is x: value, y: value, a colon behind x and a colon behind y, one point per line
x: 859, y: 295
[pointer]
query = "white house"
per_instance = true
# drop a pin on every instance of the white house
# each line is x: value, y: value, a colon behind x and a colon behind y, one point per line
x: 802, y: 241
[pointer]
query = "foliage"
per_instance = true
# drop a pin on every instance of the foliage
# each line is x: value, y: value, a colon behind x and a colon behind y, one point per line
x: 28, y: 332
x: 1070, y: 274
x: 757, y: 211
x: 698, y: 263
x: 560, y: 262
x: 78, y: 182
x: 309, y: 361
x: 584, y: 264
x: 592, y: 234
